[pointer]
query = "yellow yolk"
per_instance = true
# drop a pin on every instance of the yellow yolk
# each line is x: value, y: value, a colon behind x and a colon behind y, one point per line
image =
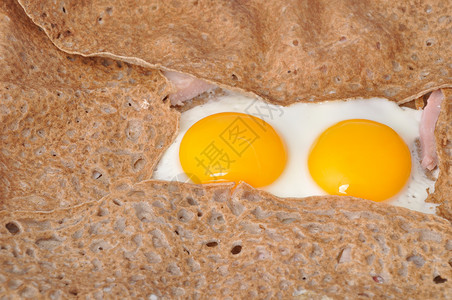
x: 360, y: 158
x: 232, y: 147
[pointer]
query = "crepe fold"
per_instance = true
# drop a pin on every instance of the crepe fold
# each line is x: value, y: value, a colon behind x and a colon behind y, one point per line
x: 176, y: 240
x: 71, y: 126
x: 80, y: 136
x: 443, y: 135
x: 284, y: 51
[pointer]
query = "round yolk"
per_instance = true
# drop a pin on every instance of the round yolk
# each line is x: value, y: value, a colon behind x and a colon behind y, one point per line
x: 232, y: 147
x: 360, y: 158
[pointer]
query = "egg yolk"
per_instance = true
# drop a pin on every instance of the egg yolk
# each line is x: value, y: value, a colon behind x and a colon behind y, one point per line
x: 232, y: 147
x: 360, y: 158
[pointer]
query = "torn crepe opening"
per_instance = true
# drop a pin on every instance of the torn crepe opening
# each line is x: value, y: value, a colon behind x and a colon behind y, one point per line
x: 188, y: 87
x: 112, y: 248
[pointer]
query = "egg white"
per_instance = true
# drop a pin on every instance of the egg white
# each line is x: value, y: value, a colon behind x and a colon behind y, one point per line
x: 299, y: 125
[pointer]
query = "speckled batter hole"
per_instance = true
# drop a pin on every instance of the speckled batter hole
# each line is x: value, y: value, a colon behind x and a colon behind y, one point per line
x: 139, y: 164
x: 184, y: 215
x: 378, y: 279
x: 117, y: 202
x: 438, y: 279
x: 102, y: 212
x: 191, y: 201
x: 24, y: 108
x: 30, y: 252
x: 12, y: 228
x: 212, y: 244
x: 96, y: 175
x: 236, y: 249
x: 423, y: 75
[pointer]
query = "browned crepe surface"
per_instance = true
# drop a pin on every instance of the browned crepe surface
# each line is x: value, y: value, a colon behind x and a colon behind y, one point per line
x: 284, y: 51
x: 443, y: 134
x: 181, y: 240
x: 72, y: 126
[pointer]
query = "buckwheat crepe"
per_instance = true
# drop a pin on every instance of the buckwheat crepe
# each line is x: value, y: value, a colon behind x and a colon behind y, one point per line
x: 71, y: 126
x: 284, y: 51
x: 80, y: 137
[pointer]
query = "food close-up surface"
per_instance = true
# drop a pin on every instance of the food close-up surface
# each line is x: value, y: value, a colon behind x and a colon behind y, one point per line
x: 225, y: 149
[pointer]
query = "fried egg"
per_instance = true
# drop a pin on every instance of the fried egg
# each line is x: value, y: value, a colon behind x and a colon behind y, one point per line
x: 364, y: 148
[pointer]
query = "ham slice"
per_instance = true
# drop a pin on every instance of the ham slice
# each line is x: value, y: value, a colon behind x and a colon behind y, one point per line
x: 427, y: 130
x: 187, y: 87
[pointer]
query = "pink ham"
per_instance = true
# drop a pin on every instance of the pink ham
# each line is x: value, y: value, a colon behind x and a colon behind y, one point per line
x: 187, y: 87
x: 427, y: 130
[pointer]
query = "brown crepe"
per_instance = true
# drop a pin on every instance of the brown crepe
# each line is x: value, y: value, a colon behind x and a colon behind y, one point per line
x: 443, y: 134
x: 284, y: 51
x: 174, y: 239
x: 72, y: 126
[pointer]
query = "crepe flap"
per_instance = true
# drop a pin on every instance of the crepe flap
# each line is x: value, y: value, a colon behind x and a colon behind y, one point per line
x: 107, y: 126
x: 443, y: 134
x: 284, y: 51
x: 179, y: 240
x: 71, y: 126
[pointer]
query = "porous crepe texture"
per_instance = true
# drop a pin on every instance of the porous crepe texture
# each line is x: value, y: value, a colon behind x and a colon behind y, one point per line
x: 283, y: 51
x: 443, y: 134
x: 71, y: 126
x: 180, y: 240
x: 177, y: 240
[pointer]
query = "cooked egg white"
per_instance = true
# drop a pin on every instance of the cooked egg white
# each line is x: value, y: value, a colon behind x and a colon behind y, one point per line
x: 299, y: 125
